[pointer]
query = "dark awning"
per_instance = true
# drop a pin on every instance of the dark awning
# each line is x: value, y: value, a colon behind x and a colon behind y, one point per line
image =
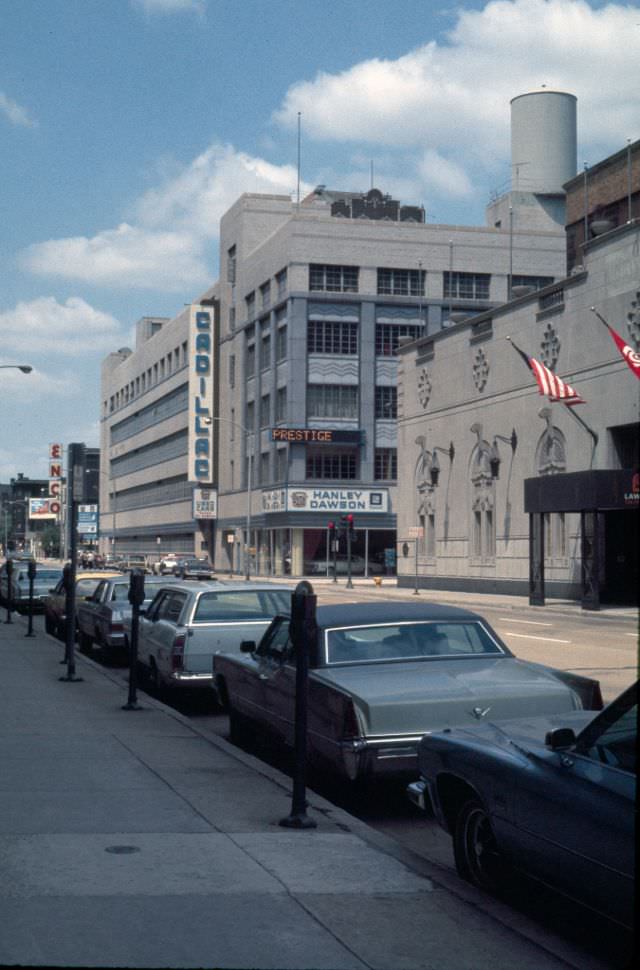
x: 615, y: 488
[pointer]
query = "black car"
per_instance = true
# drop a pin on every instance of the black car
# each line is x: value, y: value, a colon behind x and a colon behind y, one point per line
x: 193, y: 569
x: 551, y: 796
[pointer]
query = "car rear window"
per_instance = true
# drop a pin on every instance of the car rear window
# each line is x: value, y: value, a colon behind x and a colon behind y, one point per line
x: 235, y: 604
x: 85, y: 587
x: 408, y: 641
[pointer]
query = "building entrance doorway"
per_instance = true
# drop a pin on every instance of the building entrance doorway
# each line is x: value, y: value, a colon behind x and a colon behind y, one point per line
x: 621, y: 557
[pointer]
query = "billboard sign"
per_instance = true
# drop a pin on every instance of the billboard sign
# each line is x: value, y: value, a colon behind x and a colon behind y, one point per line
x: 295, y: 499
x: 205, y: 503
x: 201, y: 394
x: 323, y: 436
x: 44, y: 508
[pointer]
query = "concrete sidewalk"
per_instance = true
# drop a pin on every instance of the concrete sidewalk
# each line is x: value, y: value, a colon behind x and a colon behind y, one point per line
x: 134, y: 839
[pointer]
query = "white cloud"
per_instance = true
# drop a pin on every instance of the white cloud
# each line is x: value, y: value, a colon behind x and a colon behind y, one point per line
x: 164, y: 246
x: 45, y: 326
x: 16, y: 114
x: 444, y: 175
x: 457, y: 94
x: 171, y: 6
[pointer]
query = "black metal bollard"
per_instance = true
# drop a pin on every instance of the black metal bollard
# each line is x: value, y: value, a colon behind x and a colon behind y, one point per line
x: 9, y: 570
x: 31, y: 572
x: 136, y: 598
x: 69, y: 577
x: 303, y: 633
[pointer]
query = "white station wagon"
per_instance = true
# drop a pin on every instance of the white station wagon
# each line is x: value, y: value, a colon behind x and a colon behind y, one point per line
x: 188, y: 622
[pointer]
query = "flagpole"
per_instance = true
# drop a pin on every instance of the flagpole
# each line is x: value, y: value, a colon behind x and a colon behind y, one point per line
x: 599, y: 316
x: 569, y: 407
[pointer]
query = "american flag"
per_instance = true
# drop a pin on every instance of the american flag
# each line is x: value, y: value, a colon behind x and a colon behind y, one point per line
x: 550, y: 386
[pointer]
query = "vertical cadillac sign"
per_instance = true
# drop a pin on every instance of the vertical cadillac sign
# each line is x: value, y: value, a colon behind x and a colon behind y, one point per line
x: 202, y: 376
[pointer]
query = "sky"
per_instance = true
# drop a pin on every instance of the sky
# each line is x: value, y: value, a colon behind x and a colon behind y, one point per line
x: 127, y: 127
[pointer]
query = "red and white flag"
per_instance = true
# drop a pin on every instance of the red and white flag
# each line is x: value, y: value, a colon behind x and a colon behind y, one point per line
x: 631, y: 356
x: 549, y: 385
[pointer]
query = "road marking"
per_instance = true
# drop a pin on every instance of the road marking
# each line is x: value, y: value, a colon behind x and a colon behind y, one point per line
x: 509, y: 619
x: 530, y: 636
x: 631, y: 634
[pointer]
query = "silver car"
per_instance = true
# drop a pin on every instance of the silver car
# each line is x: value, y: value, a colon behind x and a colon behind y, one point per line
x: 102, y: 618
x: 383, y: 674
x: 188, y: 622
x: 45, y: 578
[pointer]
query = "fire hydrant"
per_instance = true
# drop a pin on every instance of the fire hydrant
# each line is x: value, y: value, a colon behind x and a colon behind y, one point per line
x: 377, y: 580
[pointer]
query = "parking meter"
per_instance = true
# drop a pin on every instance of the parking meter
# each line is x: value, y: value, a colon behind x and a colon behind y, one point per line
x: 69, y: 585
x: 8, y: 566
x: 136, y: 598
x: 303, y: 631
x: 31, y: 573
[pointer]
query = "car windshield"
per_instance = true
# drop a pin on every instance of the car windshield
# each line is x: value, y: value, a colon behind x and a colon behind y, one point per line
x: 241, y: 604
x: 85, y: 587
x: 408, y: 641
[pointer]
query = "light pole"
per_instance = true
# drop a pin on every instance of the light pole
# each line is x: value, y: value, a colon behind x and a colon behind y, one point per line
x: 25, y: 368
x: 246, y: 432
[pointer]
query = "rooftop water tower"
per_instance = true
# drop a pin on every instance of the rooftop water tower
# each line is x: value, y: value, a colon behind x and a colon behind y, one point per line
x: 543, y: 141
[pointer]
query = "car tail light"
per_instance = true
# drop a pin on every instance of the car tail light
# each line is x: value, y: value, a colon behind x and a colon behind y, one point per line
x: 115, y: 625
x: 177, y: 651
x: 350, y: 726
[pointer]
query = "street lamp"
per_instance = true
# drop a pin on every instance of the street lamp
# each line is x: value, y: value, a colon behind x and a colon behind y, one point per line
x: 246, y: 432
x: 25, y: 368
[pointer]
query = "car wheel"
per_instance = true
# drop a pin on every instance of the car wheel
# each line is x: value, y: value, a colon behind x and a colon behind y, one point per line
x: 154, y: 679
x: 49, y: 625
x: 475, y: 848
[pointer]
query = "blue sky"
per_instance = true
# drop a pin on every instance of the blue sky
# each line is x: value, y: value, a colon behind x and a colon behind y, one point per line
x: 127, y: 127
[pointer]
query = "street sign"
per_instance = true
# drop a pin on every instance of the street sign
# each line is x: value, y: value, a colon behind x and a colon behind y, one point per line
x: 88, y: 520
x: 415, y: 532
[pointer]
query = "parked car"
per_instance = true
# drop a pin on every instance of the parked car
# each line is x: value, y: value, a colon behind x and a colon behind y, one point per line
x: 188, y: 622
x: 55, y: 620
x: 358, y: 567
x: 193, y: 569
x: 382, y: 675
x: 553, y: 796
x: 165, y: 565
x: 45, y: 577
x: 102, y: 617
x: 128, y: 563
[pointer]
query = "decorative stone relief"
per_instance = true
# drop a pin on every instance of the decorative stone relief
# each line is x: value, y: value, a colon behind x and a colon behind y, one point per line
x: 550, y: 347
x: 633, y: 321
x: 480, y: 369
x: 551, y: 453
x: 424, y: 387
x: 425, y: 491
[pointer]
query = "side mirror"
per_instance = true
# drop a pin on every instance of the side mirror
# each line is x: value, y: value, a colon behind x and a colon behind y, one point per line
x: 560, y: 738
x: 247, y: 646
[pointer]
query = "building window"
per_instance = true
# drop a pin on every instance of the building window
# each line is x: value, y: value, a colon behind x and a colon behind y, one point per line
x: 250, y: 365
x: 281, y: 343
x: 265, y: 344
x: 265, y: 295
x: 232, y: 423
x: 388, y: 336
x: 231, y: 264
x: 386, y: 464
x: 333, y: 279
x: 466, y: 286
x: 401, y: 282
x: 386, y: 402
x: 536, y: 282
x: 264, y: 468
x: 232, y: 318
x: 250, y: 302
x: 337, y: 465
x: 281, y: 283
x: 184, y: 354
x: 232, y: 370
x: 281, y: 404
x: 555, y: 535
x: 265, y: 411
x: 551, y: 300
x: 250, y: 420
x: 332, y: 401
x: 332, y: 337
x: 281, y: 465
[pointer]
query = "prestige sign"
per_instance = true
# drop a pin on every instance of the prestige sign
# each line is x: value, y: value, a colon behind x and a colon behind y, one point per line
x: 294, y: 499
x: 324, y: 436
x: 201, y: 395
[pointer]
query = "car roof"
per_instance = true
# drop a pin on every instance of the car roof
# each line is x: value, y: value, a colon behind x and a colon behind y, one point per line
x: 97, y: 574
x: 368, y: 614
x: 213, y: 585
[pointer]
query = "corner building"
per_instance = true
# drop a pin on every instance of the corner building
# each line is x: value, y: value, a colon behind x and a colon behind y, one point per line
x: 315, y: 300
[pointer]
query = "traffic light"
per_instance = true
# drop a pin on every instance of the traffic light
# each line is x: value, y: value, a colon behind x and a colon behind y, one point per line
x: 350, y: 524
x: 331, y: 527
